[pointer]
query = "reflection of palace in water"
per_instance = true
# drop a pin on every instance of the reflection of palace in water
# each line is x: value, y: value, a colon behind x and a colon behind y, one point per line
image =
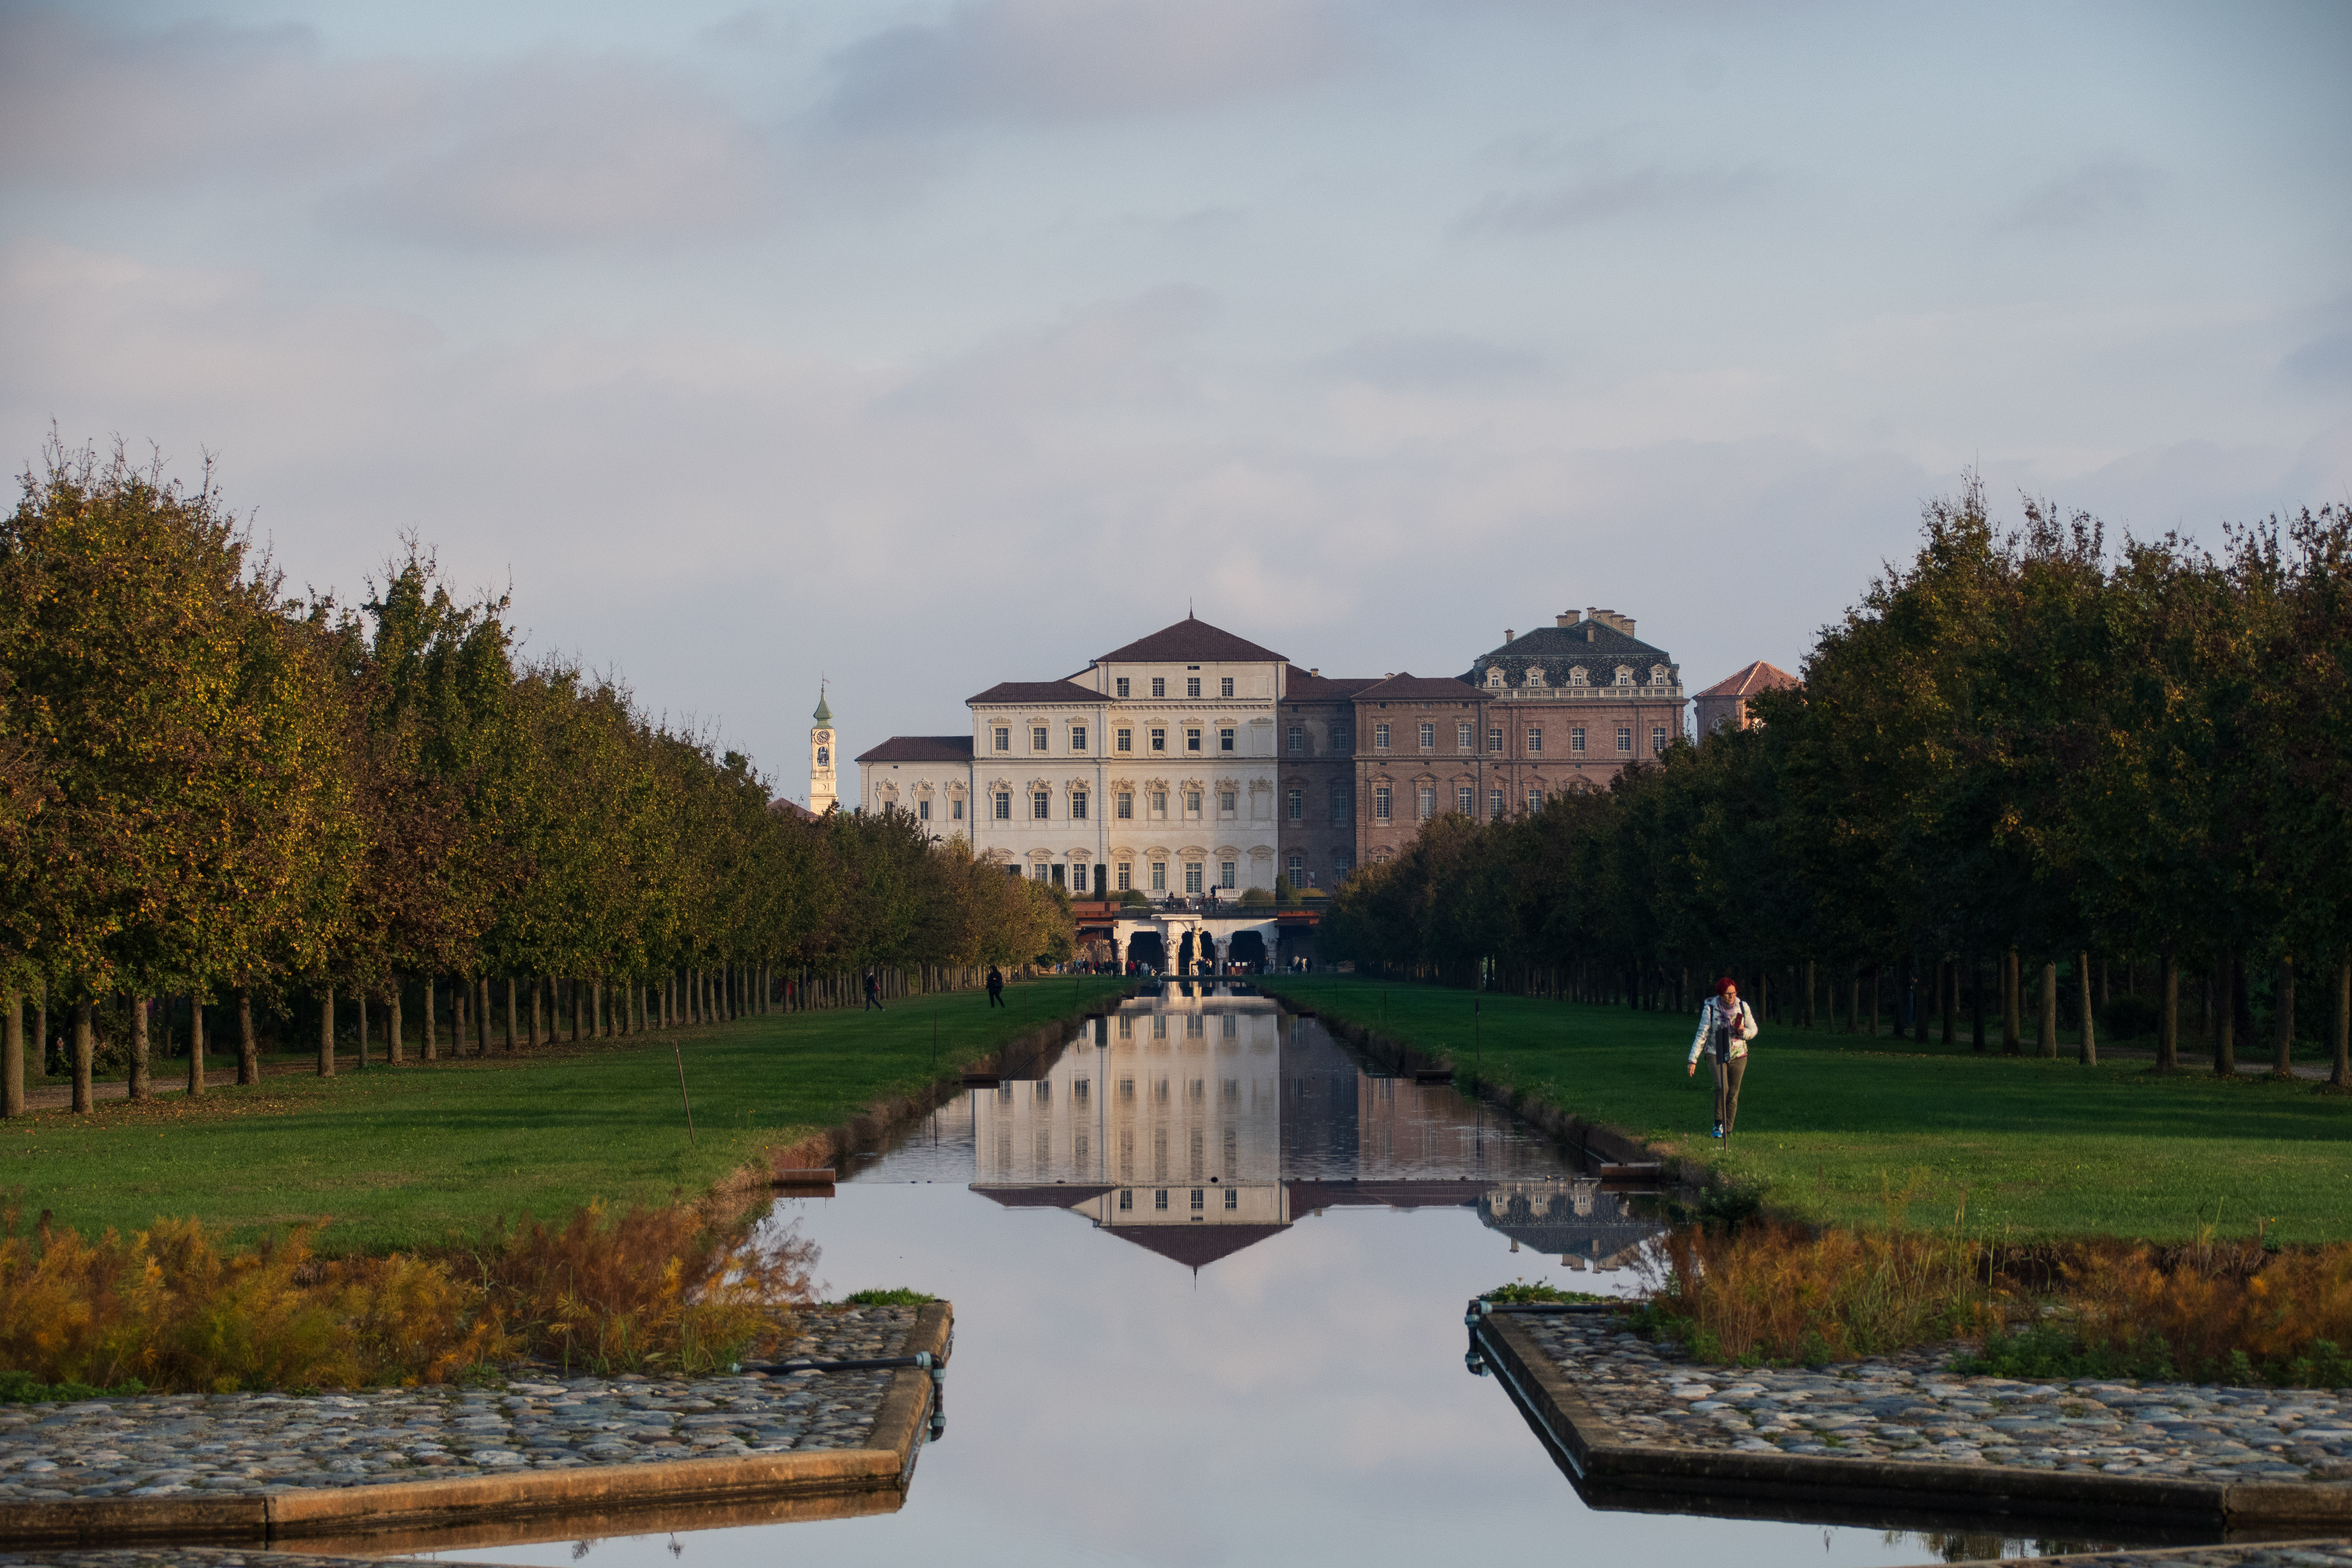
x: 1198, y: 1123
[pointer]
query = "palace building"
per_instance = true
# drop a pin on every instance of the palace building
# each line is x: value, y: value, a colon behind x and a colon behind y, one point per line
x: 1194, y: 760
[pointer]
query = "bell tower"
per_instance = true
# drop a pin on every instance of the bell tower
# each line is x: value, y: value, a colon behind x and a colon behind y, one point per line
x: 822, y: 795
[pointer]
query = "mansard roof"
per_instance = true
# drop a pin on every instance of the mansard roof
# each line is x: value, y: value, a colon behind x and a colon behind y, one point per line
x: 1305, y: 685
x: 1192, y: 641
x: 920, y: 749
x: 1403, y: 688
x: 1195, y: 1246
x: 1036, y: 691
x: 1758, y: 676
x: 1594, y: 644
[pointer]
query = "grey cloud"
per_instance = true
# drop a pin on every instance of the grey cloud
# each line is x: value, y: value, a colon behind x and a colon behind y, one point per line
x: 566, y: 152
x: 1075, y: 59
x: 1114, y: 352
x: 80, y: 104
x: 1433, y: 361
x: 2109, y: 188
x: 1602, y: 198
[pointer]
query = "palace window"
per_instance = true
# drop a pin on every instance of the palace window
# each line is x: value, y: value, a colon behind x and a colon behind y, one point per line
x: 1077, y: 806
x: 1380, y: 737
x: 1159, y: 686
x: 1535, y: 801
x: 1121, y: 685
x: 1535, y: 675
x: 1535, y: 740
x: 1297, y: 738
x: 1192, y: 804
x: 1224, y: 739
x: 1657, y: 675
x: 1227, y: 686
x: 1494, y: 742
x: 1054, y: 875
x: 1228, y: 803
x: 1077, y: 737
x: 1428, y: 737
x: 1199, y: 1195
x: 1192, y: 875
x: 1380, y: 803
x: 1126, y: 806
x: 1465, y: 800
x: 1343, y: 737
x: 1658, y: 739
x: 1624, y: 738
x: 1624, y: 675
x: 922, y: 811
x: 1160, y: 1199
x: 1159, y: 740
x: 1494, y: 805
x: 1576, y: 676
x: 1124, y: 740
x: 1225, y: 873
x: 1160, y: 803
x: 1495, y: 677
x: 1298, y: 806
x: 1004, y: 737
x: 1232, y: 1195
x: 1126, y: 1198
x: 1297, y: 870
x: 1004, y: 805
x: 1046, y: 873
x: 1576, y: 738
x: 1160, y: 876
x: 1428, y: 798
x: 1125, y: 876
x: 1343, y: 806
x: 1041, y: 806
x: 955, y: 810
x: 1192, y: 686
x: 1465, y: 737
x: 1191, y: 737
x: 1342, y: 862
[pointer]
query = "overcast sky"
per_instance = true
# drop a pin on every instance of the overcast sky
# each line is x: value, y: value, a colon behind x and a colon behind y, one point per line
x: 931, y: 345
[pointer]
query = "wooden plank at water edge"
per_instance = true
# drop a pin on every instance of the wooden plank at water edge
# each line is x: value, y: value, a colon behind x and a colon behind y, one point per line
x: 1433, y: 1075
x: 804, y: 1176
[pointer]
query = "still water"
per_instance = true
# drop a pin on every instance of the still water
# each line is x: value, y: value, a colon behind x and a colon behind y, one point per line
x: 1207, y: 1273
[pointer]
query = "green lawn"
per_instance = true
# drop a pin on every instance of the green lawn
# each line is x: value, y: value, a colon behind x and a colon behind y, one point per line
x: 413, y: 1155
x: 1831, y: 1123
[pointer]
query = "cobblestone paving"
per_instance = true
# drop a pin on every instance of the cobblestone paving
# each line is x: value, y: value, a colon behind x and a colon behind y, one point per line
x: 165, y: 1445
x: 1908, y: 1407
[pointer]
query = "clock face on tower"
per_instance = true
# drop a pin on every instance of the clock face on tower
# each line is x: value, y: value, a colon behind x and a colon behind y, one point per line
x: 823, y: 735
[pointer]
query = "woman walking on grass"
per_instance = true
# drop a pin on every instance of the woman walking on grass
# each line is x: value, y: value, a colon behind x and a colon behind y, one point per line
x: 1726, y: 1025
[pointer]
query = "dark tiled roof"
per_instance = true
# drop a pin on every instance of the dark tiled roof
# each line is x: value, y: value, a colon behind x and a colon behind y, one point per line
x: 1315, y: 1194
x: 1191, y: 641
x: 1419, y: 689
x: 1757, y: 676
x: 1059, y: 1196
x: 1036, y: 691
x: 792, y: 808
x: 1302, y: 686
x: 1195, y: 1246
x: 920, y: 749
x: 1596, y: 644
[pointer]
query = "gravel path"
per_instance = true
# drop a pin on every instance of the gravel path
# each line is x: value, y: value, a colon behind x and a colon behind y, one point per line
x: 160, y: 1446
x: 1908, y: 1407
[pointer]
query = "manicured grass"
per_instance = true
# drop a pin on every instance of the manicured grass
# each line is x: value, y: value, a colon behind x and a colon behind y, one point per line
x: 422, y: 1153
x: 2009, y: 1146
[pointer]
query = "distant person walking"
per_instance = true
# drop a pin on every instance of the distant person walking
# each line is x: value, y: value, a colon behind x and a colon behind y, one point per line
x: 995, y: 986
x: 1726, y: 1025
x: 873, y: 991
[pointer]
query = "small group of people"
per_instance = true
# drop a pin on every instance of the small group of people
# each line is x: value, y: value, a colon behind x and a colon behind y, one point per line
x: 874, y: 989
x: 1726, y: 1025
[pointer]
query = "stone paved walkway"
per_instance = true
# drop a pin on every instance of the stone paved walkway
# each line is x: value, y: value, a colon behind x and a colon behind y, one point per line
x: 160, y: 1446
x: 1908, y: 1407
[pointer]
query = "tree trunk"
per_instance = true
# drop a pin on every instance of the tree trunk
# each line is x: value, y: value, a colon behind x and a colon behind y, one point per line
x: 482, y: 1015
x: 12, y: 1055
x: 2049, y: 1041
x: 2225, y: 1017
x: 396, y: 1047
x: 1976, y: 1005
x: 359, y: 1000
x: 510, y: 1015
x: 195, y: 1045
x: 432, y: 1020
x: 2283, y: 1062
x: 248, y: 1047
x: 142, y: 1084
x: 2088, y: 1052
x: 2168, y: 1039
x: 85, y: 1048
x: 327, y: 1033
x: 2341, y: 1075
x: 2012, y: 1006
x: 41, y: 1022
x: 537, y: 988
x: 1947, y: 998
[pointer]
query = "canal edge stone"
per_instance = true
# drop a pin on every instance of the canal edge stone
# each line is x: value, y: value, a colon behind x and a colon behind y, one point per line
x: 409, y: 1507
x: 1608, y: 1463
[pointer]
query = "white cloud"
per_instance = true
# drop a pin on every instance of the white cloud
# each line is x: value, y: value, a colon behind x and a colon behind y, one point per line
x: 1049, y: 60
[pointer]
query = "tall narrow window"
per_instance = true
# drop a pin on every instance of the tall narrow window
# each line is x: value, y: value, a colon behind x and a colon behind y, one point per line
x: 1297, y: 801
x: 1576, y: 738
x: 1192, y: 875
x: 1624, y: 738
x: 1297, y: 738
x: 1192, y: 686
x: 1159, y: 804
x: 1077, y: 737
x: 1192, y: 804
x: 1126, y: 804
x: 955, y: 810
x: 1037, y: 737
x: 1494, y: 805
x: 922, y: 811
x: 1228, y: 803
x: 1342, y: 862
x: 1226, y: 871
x: 1535, y: 801
x: 1380, y: 803
x: 1465, y: 800
x: 1193, y: 738
x: 1160, y: 876
x: 1159, y: 740
x: 1535, y: 742
x: 1224, y: 739
x: 1159, y: 686
x: 1343, y: 738
x: 1429, y: 737
x: 1122, y: 686
x: 1227, y: 688
x: 1125, y: 875
x: 1077, y: 806
x: 1465, y: 737
x: 1297, y: 870
x: 1380, y: 737
x: 1658, y: 739
x: 1004, y: 737
x: 1124, y: 740
x: 1004, y: 805
x: 1428, y: 802
x: 1494, y: 742
x: 1041, y: 806
x: 1343, y: 806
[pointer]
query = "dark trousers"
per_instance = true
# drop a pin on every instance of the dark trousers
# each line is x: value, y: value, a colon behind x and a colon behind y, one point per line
x: 995, y: 996
x: 873, y: 1001
x: 1727, y: 1090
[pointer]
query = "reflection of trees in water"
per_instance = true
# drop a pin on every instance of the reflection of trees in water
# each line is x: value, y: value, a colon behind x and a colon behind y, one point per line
x: 1966, y: 1547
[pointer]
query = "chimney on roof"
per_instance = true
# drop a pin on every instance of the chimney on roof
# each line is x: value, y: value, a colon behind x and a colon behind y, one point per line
x: 1565, y: 618
x: 1507, y: 634
x: 1316, y: 673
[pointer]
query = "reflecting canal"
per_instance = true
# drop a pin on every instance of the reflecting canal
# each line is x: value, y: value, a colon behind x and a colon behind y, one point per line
x: 1208, y: 1272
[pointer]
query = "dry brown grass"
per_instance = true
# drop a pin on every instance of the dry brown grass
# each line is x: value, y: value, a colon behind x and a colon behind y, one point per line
x: 172, y: 1309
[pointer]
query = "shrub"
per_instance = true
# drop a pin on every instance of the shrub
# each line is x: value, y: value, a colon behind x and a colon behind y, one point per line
x: 1283, y: 893
x: 898, y: 1297
x: 1256, y: 899
x: 1518, y: 1292
x: 1134, y: 896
